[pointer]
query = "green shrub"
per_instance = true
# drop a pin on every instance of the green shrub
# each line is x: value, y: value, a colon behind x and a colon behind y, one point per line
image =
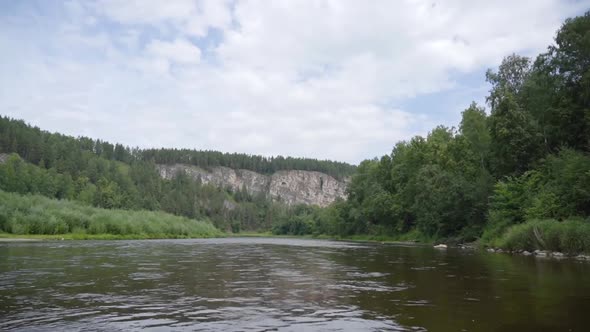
x: 570, y: 236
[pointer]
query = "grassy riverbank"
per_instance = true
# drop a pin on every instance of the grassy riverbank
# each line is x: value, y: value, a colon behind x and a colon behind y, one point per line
x: 35, y: 217
x: 38, y: 216
x: 569, y: 236
x: 7, y: 237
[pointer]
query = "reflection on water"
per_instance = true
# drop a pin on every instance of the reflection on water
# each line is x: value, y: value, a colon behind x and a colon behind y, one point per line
x: 255, y: 284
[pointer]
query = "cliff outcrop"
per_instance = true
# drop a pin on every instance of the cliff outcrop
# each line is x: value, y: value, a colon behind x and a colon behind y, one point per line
x: 291, y: 187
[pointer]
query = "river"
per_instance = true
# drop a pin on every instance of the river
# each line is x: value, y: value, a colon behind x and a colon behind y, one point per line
x: 265, y: 284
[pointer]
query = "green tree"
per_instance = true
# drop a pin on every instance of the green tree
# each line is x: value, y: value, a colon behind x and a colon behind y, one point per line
x: 474, y: 128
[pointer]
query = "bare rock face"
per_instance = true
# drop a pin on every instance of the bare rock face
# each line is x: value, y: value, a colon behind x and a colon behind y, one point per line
x: 291, y: 187
x: 220, y: 176
x: 295, y: 187
x: 4, y: 157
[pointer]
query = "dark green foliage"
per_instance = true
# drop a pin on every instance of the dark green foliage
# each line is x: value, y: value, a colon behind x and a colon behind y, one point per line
x: 558, y: 188
x: 474, y: 129
x: 516, y: 142
x: 18, y: 176
x: 438, y: 185
x: 568, y: 180
x: 300, y: 220
x: 562, y: 83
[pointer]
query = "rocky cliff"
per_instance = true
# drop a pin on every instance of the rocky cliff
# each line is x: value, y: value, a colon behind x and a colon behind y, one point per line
x: 291, y: 187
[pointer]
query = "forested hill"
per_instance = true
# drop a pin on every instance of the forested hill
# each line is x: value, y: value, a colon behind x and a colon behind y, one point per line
x: 39, y: 146
x: 113, y: 176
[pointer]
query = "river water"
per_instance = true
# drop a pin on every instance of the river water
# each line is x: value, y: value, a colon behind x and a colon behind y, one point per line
x: 261, y: 284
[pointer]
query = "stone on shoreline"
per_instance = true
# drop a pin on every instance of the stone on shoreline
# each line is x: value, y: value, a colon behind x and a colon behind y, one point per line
x: 540, y: 253
x: 557, y: 254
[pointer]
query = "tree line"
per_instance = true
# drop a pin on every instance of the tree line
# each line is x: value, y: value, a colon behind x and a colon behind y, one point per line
x: 260, y: 164
x: 526, y: 158
x: 66, y: 154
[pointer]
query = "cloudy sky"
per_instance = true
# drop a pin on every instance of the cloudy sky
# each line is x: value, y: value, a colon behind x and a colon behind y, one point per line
x: 339, y: 80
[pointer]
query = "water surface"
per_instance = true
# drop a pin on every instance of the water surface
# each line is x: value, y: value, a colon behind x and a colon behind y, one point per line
x: 257, y: 284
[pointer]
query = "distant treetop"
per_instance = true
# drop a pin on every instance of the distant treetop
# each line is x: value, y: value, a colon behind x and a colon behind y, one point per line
x: 36, y: 145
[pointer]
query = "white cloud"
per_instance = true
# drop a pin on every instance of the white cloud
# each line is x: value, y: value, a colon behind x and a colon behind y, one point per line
x: 210, y: 14
x: 192, y: 16
x: 179, y: 50
x: 146, y: 11
x: 320, y: 79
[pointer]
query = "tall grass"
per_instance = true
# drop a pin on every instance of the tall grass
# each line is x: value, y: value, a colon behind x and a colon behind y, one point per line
x: 570, y: 236
x: 34, y: 214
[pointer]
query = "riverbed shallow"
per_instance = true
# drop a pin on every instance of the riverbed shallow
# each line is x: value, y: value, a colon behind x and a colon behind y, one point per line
x: 268, y: 284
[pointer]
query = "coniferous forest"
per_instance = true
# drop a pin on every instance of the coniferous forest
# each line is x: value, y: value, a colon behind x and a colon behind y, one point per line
x: 514, y: 173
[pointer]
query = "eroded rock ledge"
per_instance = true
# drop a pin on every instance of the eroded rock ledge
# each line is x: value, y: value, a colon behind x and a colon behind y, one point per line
x: 291, y: 187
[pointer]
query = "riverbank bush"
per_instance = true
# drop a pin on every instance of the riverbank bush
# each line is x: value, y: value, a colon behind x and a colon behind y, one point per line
x: 35, y: 214
x: 569, y: 236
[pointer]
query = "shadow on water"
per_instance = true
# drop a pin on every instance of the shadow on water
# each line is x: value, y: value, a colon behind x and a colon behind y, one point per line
x: 258, y: 284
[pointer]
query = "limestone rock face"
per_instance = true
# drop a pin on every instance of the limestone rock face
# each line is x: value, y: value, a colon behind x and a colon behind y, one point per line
x: 295, y: 187
x: 291, y: 187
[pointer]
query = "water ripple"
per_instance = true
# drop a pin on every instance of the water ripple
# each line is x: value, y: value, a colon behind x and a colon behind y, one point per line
x: 261, y: 285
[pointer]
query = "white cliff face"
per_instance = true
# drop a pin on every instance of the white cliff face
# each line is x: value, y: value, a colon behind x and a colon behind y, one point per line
x: 295, y: 187
x: 290, y: 187
x: 223, y: 177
